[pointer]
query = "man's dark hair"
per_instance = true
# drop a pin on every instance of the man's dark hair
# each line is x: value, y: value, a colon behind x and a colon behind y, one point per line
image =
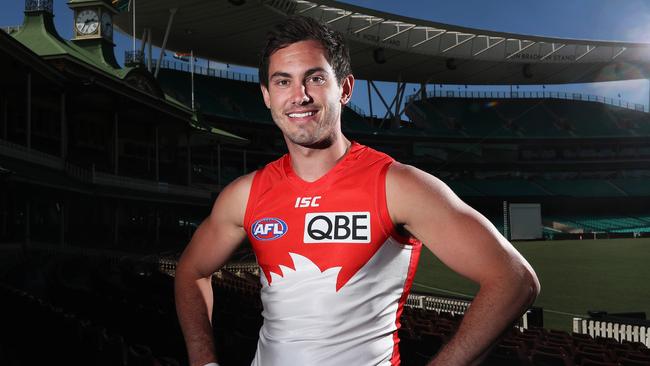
x: 300, y: 28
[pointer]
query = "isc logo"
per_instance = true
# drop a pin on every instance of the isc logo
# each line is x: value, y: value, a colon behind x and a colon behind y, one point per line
x: 307, y: 201
x: 268, y: 228
x: 337, y: 227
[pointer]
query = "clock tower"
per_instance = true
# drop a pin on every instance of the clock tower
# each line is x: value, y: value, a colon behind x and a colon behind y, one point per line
x: 93, y: 27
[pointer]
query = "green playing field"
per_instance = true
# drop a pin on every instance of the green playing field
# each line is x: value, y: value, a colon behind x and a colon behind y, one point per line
x: 576, y: 276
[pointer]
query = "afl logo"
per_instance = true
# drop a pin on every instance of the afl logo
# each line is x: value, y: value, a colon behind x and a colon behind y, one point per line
x: 269, y: 228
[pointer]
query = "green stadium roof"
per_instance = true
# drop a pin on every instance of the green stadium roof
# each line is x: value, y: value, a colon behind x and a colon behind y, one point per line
x: 39, y: 34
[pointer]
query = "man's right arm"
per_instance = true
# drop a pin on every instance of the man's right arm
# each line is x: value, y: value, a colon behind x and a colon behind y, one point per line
x: 211, y: 245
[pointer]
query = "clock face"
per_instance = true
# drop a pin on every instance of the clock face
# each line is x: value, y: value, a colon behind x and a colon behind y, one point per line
x: 107, y: 25
x: 87, y: 22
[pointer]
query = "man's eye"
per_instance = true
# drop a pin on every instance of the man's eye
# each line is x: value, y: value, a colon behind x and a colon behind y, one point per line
x: 282, y: 83
x: 318, y: 80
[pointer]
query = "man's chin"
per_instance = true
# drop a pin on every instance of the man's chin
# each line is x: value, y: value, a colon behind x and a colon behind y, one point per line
x: 311, y: 142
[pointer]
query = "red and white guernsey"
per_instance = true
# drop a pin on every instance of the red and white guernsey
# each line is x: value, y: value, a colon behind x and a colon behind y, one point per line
x: 335, y: 272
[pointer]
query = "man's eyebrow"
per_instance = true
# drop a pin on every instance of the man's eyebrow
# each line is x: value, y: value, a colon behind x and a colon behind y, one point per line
x: 314, y: 70
x: 309, y: 72
x: 280, y: 74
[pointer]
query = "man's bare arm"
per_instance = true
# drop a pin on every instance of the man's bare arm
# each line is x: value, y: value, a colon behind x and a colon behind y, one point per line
x: 211, y: 245
x: 470, y: 245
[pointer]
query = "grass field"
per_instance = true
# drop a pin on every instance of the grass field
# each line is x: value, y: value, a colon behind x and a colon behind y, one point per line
x: 611, y: 275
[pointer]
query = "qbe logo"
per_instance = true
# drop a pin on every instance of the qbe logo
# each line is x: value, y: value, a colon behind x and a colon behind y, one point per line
x: 337, y: 227
x: 269, y: 228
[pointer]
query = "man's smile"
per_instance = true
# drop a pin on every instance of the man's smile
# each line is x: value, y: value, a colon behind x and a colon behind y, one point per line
x: 301, y: 114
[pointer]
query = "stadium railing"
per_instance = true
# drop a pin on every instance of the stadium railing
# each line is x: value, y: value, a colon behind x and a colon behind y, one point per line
x: 21, y: 152
x: 10, y: 149
x: 611, y: 329
x: 146, y: 185
x: 493, y: 94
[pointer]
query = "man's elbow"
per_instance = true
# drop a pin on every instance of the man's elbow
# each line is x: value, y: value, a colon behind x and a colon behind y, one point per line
x: 530, y: 285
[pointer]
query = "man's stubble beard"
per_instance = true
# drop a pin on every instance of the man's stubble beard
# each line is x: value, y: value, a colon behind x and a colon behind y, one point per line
x: 318, y: 138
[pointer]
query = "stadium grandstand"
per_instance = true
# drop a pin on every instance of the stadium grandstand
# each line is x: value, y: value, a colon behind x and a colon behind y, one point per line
x: 106, y: 171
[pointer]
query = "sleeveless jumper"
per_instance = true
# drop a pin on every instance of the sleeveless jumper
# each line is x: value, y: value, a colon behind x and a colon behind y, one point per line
x: 335, y: 273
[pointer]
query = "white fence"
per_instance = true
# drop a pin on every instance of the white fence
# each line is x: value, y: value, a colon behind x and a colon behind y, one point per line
x: 614, y: 330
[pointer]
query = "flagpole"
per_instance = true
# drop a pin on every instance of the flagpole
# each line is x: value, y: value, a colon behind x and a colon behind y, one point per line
x: 192, y: 75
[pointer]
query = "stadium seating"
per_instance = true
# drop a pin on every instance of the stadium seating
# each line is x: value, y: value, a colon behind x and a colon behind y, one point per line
x: 581, y: 188
x: 525, y: 118
x: 128, y: 329
x: 604, y: 223
x: 239, y: 100
x: 75, y: 326
x: 505, y: 187
x: 217, y: 96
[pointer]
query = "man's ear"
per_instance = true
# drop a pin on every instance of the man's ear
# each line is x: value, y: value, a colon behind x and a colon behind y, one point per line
x: 265, y: 95
x: 347, y: 85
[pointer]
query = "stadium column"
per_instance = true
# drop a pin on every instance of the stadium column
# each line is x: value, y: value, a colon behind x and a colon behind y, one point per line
x: 116, y: 223
x: 156, y: 153
x: 63, y: 118
x: 116, y: 145
x: 369, y: 98
x: 4, y: 213
x: 189, y: 159
x: 149, y: 49
x: 28, y: 111
x: 28, y: 236
x: 244, y: 161
x: 157, y: 223
x: 5, y: 116
x: 219, y: 165
x: 62, y: 207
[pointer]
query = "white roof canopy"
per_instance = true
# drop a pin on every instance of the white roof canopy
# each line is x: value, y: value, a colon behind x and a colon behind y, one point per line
x: 390, y: 47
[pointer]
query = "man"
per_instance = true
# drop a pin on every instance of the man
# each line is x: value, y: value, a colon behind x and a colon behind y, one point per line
x: 333, y: 225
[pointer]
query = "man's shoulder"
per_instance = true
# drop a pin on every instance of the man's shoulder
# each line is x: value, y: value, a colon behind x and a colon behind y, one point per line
x: 369, y: 154
x: 276, y: 166
x: 239, y: 188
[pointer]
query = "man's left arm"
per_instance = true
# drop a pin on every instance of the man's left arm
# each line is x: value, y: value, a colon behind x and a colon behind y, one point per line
x: 471, y: 246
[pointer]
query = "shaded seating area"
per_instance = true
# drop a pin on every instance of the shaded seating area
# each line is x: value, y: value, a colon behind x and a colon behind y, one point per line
x: 525, y: 118
x: 604, y: 223
x: 78, y: 309
x: 542, y: 347
x: 238, y: 100
x: 578, y: 187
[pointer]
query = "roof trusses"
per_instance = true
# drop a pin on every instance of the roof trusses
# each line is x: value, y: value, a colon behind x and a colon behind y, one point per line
x: 411, y: 35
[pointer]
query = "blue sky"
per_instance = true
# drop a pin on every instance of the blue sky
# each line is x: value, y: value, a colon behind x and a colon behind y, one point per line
x: 627, y: 20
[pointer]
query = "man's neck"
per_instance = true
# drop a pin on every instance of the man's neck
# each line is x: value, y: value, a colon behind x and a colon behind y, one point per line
x: 312, y: 163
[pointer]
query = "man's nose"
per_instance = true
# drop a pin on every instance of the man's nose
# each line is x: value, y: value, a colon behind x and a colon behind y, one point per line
x: 300, y: 94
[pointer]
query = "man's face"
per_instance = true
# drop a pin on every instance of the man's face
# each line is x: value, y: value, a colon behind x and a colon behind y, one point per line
x: 304, y: 96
